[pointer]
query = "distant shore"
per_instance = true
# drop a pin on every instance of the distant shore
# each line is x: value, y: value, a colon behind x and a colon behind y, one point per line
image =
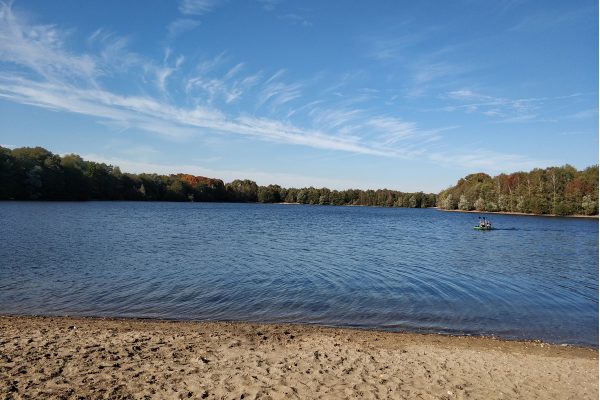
x: 335, y: 205
x: 63, y: 357
x: 519, y: 213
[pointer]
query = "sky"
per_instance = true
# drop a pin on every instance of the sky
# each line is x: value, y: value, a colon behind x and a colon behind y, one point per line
x: 405, y: 95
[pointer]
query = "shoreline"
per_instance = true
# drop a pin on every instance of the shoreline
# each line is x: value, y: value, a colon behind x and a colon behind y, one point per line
x: 305, y: 204
x: 301, y: 325
x: 49, y: 357
x: 519, y: 213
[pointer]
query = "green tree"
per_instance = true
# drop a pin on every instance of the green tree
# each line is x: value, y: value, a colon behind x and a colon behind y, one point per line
x: 8, y: 175
x: 464, y: 203
x: 480, y: 204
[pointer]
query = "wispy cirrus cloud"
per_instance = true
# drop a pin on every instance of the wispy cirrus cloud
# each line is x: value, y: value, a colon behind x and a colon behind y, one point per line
x: 484, y: 159
x: 278, y: 93
x: 393, y: 46
x: 501, y: 108
x: 40, y: 48
x: 152, y: 115
x: 589, y: 113
x: 181, y: 25
x: 464, y: 94
x: 228, y: 87
x: 55, y: 78
x: 164, y: 72
x: 228, y: 175
x: 198, y: 7
x: 553, y: 19
x: 335, y: 118
x: 417, y: 57
x: 270, y: 5
x: 190, y: 11
x: 296, y: 19
x: 393, y: 129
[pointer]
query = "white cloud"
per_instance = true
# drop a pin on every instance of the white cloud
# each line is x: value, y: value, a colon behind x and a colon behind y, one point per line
x: 553, y: 19
x: 149, y: 114
x: 335, y: 118
x: 68, y: 82
x: 489, y: 161
x: 162, y: 73
x: 589, y: 113
x: 278, y: 93
x: 161, y: 76
x: 180, y: 26
x: 40, y: 48
x: 233, y: 71
x: 393, y: 47
x: 464, y: 94
x: 227, y: 175
x: 427, y: 72
x: 197, y: 7
x: 520, y: 118
x: 296, y: 19
x: 269, y: 5
x: 393, y: 130
x: 410, y: 50
x: 505, y: 109
x: 225, y: 88
x: 191, y: 10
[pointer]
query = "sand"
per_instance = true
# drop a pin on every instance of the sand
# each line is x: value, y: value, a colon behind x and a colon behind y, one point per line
x: 70, y: 358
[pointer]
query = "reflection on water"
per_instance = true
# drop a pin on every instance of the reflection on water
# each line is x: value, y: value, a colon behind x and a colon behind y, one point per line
x: 396, y: 269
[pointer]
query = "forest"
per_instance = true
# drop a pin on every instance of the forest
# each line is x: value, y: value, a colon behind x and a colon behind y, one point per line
x: 554, y: 190
x: 34, y: 173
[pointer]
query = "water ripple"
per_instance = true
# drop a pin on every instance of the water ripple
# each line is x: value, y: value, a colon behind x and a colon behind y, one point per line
x: 394, y: 269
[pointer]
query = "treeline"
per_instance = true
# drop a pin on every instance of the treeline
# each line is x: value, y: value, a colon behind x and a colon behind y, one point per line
x: 555, y: 190
x: 37, y: 174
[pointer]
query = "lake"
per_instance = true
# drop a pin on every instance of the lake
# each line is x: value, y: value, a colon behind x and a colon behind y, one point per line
x: 386, y: 268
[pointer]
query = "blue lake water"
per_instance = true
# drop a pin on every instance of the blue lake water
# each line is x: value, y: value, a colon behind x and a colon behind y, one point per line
x: 394, y: 269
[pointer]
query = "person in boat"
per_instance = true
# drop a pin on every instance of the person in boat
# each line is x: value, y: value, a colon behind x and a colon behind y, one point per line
x: 484, y: 223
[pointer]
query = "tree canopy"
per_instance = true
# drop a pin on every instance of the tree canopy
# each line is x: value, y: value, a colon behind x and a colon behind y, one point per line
x: 36, y: 174
x: 554, y: 190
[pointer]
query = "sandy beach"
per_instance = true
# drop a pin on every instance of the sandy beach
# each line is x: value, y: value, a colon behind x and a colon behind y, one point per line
x: 71, y: 358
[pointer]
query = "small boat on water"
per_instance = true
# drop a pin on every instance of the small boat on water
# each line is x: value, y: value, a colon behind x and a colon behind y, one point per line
x: 484, y: 225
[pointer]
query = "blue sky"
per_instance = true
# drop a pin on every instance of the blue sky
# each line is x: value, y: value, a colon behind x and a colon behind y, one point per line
x: 408, y: 95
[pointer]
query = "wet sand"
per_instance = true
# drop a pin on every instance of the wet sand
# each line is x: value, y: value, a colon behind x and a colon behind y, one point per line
x: 70, y: 358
